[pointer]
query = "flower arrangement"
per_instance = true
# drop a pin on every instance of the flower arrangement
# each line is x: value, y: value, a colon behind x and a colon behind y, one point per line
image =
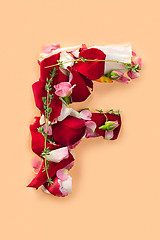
x: 66, y: 76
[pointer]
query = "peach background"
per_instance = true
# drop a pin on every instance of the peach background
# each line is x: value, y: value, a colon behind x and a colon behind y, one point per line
x: 116, y: 185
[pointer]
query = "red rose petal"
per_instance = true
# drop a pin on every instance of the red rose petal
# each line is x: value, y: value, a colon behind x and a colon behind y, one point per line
x: 92, y: 70
x: 45, y: 72
x: 39, y: 92
x: 54, y: 188
x: 38, y: 139
x: 100, y: 119
x: 41, y: 177
x: 69, y: 131
x: 80, y: 92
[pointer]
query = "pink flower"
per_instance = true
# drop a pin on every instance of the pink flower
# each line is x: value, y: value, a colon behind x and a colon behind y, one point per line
x: 133, y: 75
x: 137, y: 61
x: 63, y: 89
x: 116, y: 75
x: 119, y: 76
x: 49, y: 48
x: 123, y: 79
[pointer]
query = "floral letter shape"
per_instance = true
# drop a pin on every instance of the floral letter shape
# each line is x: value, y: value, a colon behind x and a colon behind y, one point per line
x: 66, y: 76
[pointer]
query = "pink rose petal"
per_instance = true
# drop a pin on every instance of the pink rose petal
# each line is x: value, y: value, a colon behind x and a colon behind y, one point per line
x: 91, y: 125
x: 62, y: 174
x: 49, y: 48
x: 108, y: 135
x: 37, y: 163
x: 133, y: 54
x: 86, y: 114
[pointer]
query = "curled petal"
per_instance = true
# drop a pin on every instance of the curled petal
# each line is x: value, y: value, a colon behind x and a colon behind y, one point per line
x: 90, y: 129
x: 67, y: 184
x: 80, y: 91
x: 86, y: 114
x: 58, y: 155
x: 108, y: 135
x: 91, y: 125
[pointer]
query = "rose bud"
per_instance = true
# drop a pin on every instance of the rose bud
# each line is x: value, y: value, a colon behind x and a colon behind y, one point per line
x: 63, y: 89
x: 69, y: 131
x: 108, y: 124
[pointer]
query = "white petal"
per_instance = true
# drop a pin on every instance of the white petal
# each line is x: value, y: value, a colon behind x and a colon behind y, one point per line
x: 67, y: 184
x: 42, y: 120
x: 58, y: 155
x: 66, y: 59
x: 65, y: 112
x: 121, y: 53
x: 44, y: 189
x: 108, y: 135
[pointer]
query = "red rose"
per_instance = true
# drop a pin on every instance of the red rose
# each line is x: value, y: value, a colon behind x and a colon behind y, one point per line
x: 68, y: 131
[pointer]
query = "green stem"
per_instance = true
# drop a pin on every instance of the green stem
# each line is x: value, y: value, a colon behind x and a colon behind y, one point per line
x: 87, y: 60
x: 45, y: 144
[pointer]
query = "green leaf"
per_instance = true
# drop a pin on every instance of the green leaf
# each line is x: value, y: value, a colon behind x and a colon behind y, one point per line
x: 53, y: 73
x: 40, y: 129
x: 44, y: 100
x: 49, y: 181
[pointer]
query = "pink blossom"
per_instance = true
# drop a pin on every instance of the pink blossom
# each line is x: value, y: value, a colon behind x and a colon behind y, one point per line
x: 133, y: 75
x: 123, y: 79
x: 137, y: 61
x: 116, y: 75
x: 63, y: 89
x: 119, y: 76
x: 49, y: 48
